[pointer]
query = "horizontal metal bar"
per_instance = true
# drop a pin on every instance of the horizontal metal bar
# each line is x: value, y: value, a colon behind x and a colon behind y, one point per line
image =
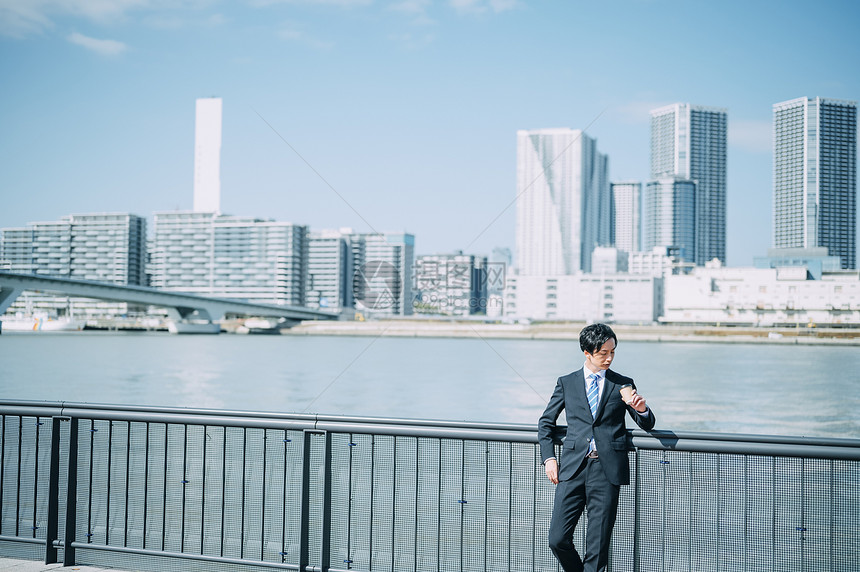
x: 4, y: 538
x: 309, y: 417
x: 182, y: 555
x: 749, y: 438
x: 746, y: 448
x: 436, y: 432
x: 774, y: 445
x: 27, y: 410
x: 186, y: 419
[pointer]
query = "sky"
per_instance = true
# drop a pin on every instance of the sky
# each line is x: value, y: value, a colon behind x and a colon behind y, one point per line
x: 390, y: 115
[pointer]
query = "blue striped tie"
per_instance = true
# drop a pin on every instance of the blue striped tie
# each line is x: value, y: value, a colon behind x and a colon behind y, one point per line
x: 593, y: 393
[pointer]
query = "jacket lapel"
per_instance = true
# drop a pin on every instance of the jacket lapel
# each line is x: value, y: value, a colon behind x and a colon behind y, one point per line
x: 608, y: 387
x: 578, y: 379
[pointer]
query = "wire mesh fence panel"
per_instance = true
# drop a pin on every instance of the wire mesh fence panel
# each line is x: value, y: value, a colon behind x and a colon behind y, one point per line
x: 788, y: 513
x: 136, y: 484
x: 274, y: 500
x: 11, y: 474
x: 732, y: 515
x: 759, y: 528
x: 352, y: 501
x: 214, y: 491
x: 156, y: 487
x: 816, y: 522
x: 498, y: 513
x: 845, y: 527
x: 193, y: 480
x: 174, y: 490
x: 25, y: 464
x: 405, y: 504
x: 429, y: 521
x: 252, y: 494
x: 117, y: 471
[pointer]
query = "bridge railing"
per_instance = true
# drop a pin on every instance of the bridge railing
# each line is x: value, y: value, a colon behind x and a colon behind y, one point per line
x: 168, y: 488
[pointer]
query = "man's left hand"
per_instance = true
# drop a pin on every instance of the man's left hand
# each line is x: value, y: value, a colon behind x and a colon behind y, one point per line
x: 638, y: 403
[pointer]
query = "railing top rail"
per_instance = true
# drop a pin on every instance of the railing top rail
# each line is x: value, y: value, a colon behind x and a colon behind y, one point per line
x: 813, y: 447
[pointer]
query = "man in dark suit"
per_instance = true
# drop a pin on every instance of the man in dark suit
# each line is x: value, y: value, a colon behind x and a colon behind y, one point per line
x: 594, y: 461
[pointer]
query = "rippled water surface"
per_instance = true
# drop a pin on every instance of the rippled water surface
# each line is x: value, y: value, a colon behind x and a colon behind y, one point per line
x: 736, y: 388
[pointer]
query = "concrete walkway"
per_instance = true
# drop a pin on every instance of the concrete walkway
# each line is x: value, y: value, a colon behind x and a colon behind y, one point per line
x: 13, y: 565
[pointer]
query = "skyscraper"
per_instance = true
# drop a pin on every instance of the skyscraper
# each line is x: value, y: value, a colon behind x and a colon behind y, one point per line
x: 207, y: 155
x: 689, y: 141
x: 563, y: 201
x: 626, y: 223
x: 815, y: 176
x: 669, y: 213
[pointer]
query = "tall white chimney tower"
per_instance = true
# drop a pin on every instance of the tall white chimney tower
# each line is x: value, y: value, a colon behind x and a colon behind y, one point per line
x: 207, y: 155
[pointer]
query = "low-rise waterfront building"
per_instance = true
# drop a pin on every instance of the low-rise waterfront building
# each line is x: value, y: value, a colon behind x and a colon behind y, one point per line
x: 104, y: 247
x: 816, y: 260
x: 783, y: 296
x: 451, y: 284
x: 658, y: 261
x: 382, y: 282
x: 608, y: 260
x: 619, y: 298
x: 230, y: 257
x: 330, y: 270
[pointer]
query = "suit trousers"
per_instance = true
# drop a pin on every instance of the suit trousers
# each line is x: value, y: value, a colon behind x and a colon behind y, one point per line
x: 587, y: 489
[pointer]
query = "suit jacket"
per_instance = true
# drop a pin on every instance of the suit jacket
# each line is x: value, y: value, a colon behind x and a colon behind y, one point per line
x: 607, y: 427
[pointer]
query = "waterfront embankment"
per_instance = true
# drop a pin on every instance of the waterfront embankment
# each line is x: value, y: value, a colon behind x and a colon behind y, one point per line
x: 570, y: 331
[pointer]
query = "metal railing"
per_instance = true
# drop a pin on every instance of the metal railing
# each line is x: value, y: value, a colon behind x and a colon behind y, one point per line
x: 160, y: 488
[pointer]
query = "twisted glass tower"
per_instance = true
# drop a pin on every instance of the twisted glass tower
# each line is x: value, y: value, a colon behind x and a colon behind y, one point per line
x: 563, y: 201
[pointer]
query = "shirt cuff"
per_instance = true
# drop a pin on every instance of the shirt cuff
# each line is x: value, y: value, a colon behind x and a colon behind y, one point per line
x: 549, y: 459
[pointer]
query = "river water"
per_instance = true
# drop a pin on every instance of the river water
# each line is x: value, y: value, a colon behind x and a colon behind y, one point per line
x: 720, y: 387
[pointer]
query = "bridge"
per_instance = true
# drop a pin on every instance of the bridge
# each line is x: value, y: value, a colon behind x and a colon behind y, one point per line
x: 189, y: 313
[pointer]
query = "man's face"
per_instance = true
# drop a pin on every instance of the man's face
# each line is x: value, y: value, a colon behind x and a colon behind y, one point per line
x: 602, y: 358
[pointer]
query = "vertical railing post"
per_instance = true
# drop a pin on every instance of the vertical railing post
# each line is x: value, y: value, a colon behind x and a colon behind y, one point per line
x: 53, y: 493
x: 637, y: 499
x: 304, y: 538
x: 325, y: 545
x: 71, y: 496
x: 304, y: 523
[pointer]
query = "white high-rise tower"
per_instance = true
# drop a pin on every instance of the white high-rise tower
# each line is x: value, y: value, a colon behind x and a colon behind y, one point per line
x: 207, y: 155
x: 815, y: 176
x: 626, y: 208
x: 563, y: 201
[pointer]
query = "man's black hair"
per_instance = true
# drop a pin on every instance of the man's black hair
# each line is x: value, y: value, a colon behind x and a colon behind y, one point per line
x: 592, y: 337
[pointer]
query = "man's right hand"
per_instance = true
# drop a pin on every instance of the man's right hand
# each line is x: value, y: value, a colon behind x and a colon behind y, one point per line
x: 551, y: 468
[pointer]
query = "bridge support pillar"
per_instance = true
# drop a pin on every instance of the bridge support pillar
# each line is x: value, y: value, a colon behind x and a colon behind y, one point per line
x: 185, y: 320
x: 8, y: 296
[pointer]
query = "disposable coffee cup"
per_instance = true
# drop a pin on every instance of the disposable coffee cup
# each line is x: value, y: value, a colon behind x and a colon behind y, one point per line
x: 627, y: 393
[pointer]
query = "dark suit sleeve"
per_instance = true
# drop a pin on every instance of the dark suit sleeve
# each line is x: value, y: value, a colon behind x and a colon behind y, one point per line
x: 645, y: 421
x: 546, y: 424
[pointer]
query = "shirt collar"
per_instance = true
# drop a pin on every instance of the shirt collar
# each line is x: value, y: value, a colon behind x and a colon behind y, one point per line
x: 588, y: 373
